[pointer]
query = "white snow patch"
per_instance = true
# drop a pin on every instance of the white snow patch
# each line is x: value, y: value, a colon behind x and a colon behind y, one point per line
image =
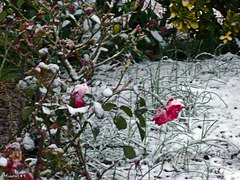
x: 3, y: 162
x: 74, y: 111
x: 28, y: 142
x: 98, y: 109
x: 107, y: 92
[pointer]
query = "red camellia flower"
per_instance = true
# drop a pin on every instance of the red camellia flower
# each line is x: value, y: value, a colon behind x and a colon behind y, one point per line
x: 169, y: 112
x: 78, y: 91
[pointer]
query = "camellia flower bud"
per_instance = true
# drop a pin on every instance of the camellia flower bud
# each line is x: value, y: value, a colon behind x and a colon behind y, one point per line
x: 78, y: 91
x: 89, y: 11
x: 17, y: 48
x: 136, y: 29
x: 71, y: 9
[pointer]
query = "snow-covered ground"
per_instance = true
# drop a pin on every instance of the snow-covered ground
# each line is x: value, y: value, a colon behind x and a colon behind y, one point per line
x: 204, y: 142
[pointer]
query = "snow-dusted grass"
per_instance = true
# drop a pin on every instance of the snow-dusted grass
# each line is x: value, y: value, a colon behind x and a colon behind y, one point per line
x: 203, y: 143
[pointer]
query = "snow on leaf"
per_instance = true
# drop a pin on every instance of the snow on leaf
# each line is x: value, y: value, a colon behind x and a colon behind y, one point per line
x: 237, y: 42
x: 74, y: 111
x: 158, y: 37
x: 135, y: 89
x: 103, y: 49
x: 46, y: 110
x: 65, y: 23
x: 52, y: 146
x: 31, y: 161
x: 96, y: 19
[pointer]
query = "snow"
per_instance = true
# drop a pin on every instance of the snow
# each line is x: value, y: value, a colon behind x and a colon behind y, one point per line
x: 51, y: 67
x: 203, y: 143
x: 98, y: 109
x: 43, y: 51
x: 28, y: 142
x: 31, y: 161
x: 74, y: 111
x: 210, y: 86
x: 3, y: 162
x: 107, y: 92
x: 52, y: 146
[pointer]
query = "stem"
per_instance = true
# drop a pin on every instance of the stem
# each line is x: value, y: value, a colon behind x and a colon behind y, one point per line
x: 105, y: 170
x: 109, y: 59
x: 39, y: 158
x: 84, y: 162
x: 78, y: 134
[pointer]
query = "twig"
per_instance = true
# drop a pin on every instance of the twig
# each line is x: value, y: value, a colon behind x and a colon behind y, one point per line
x: 105, y: 170
x: 109, y: 59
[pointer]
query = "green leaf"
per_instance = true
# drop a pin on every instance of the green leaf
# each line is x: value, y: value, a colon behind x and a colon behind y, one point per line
x: 46, y: 18
x: 141, y: 118
x: 27, y: 112
x: 143, y: 110
x: 141, y: 131
x: 20, y: 3
x: 129, y: 152
x: 142, y: 102
x: 62, y: 120
x: 127, y: 110
x: 95, y: 132
x: 72, y: 101
x: 109, y: 106
x: 120, y: 122
x: 3, y: 14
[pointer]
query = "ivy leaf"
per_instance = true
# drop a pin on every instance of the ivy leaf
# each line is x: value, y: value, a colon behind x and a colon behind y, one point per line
x: 27, y: 112
x: 141, y: 131
x: 129, y: 152
x: 109, y: 106
x: 127, y: 110
x: 120, y: 122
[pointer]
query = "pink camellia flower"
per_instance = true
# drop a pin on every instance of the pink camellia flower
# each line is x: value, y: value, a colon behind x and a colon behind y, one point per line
x: 78, y: 91
x: 168, y: 113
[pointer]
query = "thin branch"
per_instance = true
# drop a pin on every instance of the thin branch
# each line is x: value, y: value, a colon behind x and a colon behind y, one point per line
x: 109, y: 59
